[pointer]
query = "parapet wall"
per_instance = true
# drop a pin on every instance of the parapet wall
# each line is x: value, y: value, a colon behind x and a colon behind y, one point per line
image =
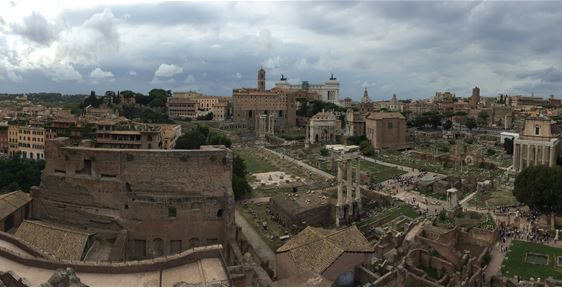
x: 21, y: 245
x: 186, y: 257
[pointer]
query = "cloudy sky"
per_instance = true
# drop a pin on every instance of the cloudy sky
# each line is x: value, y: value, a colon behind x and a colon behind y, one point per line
x: 409, y: 48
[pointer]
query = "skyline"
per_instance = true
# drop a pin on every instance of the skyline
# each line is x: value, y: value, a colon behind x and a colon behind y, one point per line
x: 412, y: 49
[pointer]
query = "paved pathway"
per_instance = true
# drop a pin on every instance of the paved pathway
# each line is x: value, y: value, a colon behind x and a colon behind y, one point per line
x: 400, y: 167
x: 257, y: 200
x: 467, y: 198
x: 302, y: 164
x: 261, y: 248
x: 496, y: 259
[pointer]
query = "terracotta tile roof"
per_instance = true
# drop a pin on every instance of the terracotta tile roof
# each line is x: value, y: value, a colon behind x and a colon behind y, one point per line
x: 10, y: 202
x: 62, y: 243
x: 315, y: 249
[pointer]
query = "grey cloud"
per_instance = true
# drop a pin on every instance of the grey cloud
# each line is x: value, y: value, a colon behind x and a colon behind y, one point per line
x: 166, y: 13
x: 36, y: 28
x: 550, y: 74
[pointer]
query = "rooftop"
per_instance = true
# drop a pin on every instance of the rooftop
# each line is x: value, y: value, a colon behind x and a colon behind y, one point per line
x: 60, y: 242
x: 10, y: 202
x: 315, y: 249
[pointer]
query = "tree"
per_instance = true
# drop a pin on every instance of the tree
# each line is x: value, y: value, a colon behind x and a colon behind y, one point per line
x: 19, y: 173
x: 470, y: 123
x: 483, y: 118
x: 208, y: 116
x: 191, y: 140
x: 202, y: 135
x: 91, y: 100
x: 324, y: 152
x: 366, y: 148
x: 111, y: 95
x: 508, y: 146
x: 240, y: 185
x: 539, y: 188
x: 448, y: 125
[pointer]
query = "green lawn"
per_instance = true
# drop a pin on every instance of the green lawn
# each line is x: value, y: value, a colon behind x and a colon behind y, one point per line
x: 380, y: 172
x: 493, y: 199
x: 514, y: 262
x: 253, y: 163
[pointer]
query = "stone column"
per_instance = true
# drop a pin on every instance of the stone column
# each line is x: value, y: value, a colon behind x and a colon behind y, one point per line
x: 257, y: 124
x: 529, y: 155
x: 552, y: 156
x: 306, y: 136
x: 340, y: 191
x: 515, y: 155
x: 358, y: 186
x: 521, y: 149
x: 349, y: 182
x: 545, y: 155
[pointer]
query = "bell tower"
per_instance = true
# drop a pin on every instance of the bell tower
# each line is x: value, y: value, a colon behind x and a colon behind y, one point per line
x: 261, y: 80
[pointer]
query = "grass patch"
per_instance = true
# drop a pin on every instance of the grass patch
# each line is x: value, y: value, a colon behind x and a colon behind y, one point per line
x: 493, y: 198
x: 380, y: 172
x: 253, y: 163
x: 514, y: 263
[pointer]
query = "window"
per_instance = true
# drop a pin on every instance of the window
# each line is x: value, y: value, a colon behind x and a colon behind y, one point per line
x: 537, y: 129
x: 87, y: 169
x: 390, y: 125
x: 172, y: 212
x: 219, y: 213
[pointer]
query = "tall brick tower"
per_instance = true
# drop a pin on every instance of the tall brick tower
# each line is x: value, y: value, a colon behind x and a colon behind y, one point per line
x: 475, y: 98
x: 261, y: 80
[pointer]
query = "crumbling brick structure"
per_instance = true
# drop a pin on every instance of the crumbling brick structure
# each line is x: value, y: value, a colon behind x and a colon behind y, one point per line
x: 166, y: 200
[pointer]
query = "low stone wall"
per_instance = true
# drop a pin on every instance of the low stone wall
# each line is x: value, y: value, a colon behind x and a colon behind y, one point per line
x: 20, y: 244
x: 364, y: 275
x: 155, y: 264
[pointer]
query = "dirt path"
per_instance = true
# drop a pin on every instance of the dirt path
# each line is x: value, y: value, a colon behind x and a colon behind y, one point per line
x: 261, y: 248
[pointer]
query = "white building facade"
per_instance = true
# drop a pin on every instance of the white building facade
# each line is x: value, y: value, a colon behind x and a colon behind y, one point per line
x: 329, y: 91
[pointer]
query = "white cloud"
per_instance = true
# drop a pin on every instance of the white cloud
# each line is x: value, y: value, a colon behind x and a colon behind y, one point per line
x: 96, y: 38
x: 272, y: 62
x: 167, y: 71
x: 189, y: 79
x: 264, y: 41
x: 132, y: 73
x: 98, y: 74
x: 61, y: 73
x: 237, y: 75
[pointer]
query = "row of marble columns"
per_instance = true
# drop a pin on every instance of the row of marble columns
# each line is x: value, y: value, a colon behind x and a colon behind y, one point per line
x: 350, y: 206
x: 265, y: 124
x: 535, y: 155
